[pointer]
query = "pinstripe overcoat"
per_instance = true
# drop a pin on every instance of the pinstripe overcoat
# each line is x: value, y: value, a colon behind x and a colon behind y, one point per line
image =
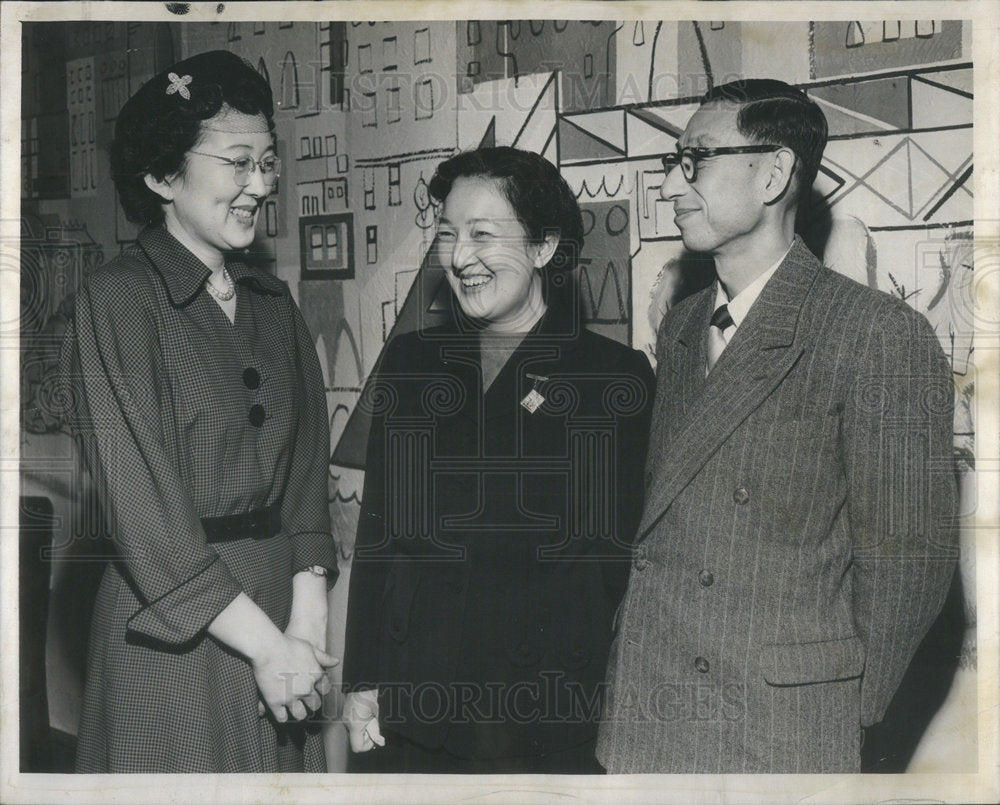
x: 797, y: 539
x: 175, y: 429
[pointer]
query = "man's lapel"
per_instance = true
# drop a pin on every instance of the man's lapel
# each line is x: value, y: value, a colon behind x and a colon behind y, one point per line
x: 761, y: 353
x: 688, y: 353
x: 679, y: 378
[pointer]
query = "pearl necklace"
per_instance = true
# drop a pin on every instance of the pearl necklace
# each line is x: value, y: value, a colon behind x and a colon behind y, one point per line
x: 222, y: 296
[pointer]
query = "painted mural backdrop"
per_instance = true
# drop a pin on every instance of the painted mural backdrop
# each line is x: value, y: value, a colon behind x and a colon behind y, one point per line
x: 367, y: 110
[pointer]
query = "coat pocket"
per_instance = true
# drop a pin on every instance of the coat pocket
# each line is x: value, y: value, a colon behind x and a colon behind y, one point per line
x: 810, y: 663
x: 801, y: 430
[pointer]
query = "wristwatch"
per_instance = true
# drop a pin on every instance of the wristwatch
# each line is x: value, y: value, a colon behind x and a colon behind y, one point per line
x: 318, y: 570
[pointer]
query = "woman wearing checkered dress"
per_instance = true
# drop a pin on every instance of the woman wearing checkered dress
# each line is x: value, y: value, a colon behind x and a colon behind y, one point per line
x: 200, y: 405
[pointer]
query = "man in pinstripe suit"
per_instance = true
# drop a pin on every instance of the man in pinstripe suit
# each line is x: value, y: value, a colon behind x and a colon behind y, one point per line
x: 798, y: 537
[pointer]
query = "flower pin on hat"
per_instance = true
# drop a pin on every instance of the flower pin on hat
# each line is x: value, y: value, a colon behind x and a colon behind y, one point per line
x: 179, y: 84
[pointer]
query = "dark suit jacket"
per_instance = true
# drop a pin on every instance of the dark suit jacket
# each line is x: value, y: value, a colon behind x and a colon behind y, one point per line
x: 797, y: 539
x: 493, y: 543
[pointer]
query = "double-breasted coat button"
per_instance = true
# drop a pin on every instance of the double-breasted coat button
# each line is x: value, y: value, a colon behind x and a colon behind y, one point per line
x: 251, y: 378
x: 706, y: 578
x: 740, y: 495
x: 256, y: 415
x: 701, y: 665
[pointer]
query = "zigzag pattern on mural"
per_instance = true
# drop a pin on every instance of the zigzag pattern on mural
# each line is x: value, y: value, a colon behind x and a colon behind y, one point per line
x: 602, y: 189
x: 603, y: 308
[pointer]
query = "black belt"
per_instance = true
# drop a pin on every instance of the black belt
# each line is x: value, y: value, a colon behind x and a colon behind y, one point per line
x: 256, y: 524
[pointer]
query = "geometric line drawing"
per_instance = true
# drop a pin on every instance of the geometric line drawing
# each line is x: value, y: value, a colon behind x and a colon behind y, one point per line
x: 837, y: 178
x: 935, y: 104
x: 844, y: 190
x: 883, y: 102
x: 508, y: 56
x: 939, y: 85
x: 347, y: 367
x: 959, y: 183
x: 957, y: 81
x: 704, y: 55
x: 289, y: 82
x: 652, y: 60
x: 604, y: 309
x: 388, y: 318
x: 919, y: 171
x: 577, y: 144
x: 550, y: 151
x: 601, y: 189
x: 523, y: 101
x: 607, y: 128
x: 338, y: 421
x: 670, y: 118
x: 422, y: 46
x: 324, y: 364
x: 858, y: 121
x: 262, y: 69
x: 489, y: 138
x: 639, y: 34
x: 893, y: 179
x: 855, y: 36
x: 548, y: 93
x: 651, y: 190
x: 657, y: 122
x: 649, y: 134
x: 423, y: 99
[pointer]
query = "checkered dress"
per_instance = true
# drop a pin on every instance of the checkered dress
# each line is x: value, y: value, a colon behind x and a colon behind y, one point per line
x: 174, y: 429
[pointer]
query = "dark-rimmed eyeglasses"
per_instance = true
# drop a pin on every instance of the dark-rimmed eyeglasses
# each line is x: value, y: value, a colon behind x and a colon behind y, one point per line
x: 688, y: 158
x: 244, y: 167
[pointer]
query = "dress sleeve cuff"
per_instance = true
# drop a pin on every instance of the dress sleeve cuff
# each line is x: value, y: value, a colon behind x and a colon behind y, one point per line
x: 315, y: 548
x: 181, y: 614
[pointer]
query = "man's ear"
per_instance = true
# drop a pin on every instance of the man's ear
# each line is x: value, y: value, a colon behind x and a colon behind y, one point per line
x: 162, y: 187
x: 780, y: 177
x: 546, y: 249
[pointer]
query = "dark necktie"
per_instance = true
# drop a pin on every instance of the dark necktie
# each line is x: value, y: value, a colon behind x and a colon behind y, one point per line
x: 716, y: 340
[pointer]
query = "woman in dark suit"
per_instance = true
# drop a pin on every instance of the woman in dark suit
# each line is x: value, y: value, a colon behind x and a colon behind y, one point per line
x: 503, y: 486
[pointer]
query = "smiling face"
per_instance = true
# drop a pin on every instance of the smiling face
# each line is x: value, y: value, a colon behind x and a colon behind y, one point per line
x: 207, y: 211
x: 493, y: 270
x: 723, y: 208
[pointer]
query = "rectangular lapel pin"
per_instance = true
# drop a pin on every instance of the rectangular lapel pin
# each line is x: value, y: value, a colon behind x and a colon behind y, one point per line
x: 533, y: 399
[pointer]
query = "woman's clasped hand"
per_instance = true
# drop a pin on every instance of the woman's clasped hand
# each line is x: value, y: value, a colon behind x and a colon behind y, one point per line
x: 291, y: 675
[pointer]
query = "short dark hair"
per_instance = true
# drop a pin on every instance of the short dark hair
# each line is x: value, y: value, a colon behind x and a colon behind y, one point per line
x: 772, y: 111
x: 539, y: 196
x: 155, y: 130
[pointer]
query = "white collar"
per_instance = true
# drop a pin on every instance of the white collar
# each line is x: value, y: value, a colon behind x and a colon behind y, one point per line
x: 740, y: 304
